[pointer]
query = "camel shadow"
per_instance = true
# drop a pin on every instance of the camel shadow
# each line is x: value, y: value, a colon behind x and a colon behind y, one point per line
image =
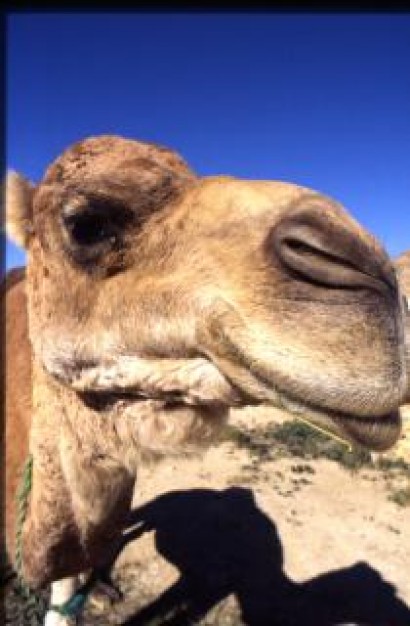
x: 223, y: 544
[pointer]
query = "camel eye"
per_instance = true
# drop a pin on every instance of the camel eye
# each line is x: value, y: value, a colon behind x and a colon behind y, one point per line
x: 92, y: 231
x: 87, y: 229
x: 95, y: 227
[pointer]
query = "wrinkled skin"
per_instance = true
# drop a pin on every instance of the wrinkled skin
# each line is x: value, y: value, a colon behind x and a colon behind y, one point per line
x: 157, y: 301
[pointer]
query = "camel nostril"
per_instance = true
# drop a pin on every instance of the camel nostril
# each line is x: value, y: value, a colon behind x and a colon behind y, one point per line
x: 317, y: 247
x: 308, y: 251
x: 318, y: 265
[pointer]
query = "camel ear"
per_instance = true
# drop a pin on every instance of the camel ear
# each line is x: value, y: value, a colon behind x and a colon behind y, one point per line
x: 18, y: 208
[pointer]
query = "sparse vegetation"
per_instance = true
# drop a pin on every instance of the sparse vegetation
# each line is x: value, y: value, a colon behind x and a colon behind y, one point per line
x: 387, y: 464
x: 294, y: 438
x: 401, y: 496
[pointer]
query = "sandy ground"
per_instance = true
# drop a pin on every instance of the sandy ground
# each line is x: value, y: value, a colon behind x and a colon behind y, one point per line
x: 237, y: 537
x: 230, y: 539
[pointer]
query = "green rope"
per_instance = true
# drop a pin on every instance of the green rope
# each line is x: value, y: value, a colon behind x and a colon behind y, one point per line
x: 22, y: 501
x: 34, y: 602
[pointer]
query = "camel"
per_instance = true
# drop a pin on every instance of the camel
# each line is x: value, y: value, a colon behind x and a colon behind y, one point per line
x: 153, y: 302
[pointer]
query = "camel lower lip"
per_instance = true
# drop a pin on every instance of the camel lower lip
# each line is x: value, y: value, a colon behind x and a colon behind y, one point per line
x: 375, y: 433
x: 378, y: 434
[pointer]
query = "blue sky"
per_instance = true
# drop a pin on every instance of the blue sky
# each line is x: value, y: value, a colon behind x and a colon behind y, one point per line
x: 319, y: 100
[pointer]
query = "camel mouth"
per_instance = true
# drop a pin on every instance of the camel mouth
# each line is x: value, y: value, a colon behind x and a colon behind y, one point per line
x: 105, y: 402
x: 115, y: 402
x: 375, y: 433
x: 124, y: 381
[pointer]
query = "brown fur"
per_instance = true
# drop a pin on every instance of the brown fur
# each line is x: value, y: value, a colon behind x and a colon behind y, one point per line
x: 17, y: 377
x: 210, y: 293
x: 402, y: 264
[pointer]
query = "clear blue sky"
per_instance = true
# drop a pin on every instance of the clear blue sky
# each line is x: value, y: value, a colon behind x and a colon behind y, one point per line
x: 319, y: 100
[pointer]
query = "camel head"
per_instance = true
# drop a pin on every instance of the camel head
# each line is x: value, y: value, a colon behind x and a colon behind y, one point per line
x: 145, y: 281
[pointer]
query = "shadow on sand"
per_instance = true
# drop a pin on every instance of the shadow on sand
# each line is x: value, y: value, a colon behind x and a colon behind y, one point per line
x: 223, y: 544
